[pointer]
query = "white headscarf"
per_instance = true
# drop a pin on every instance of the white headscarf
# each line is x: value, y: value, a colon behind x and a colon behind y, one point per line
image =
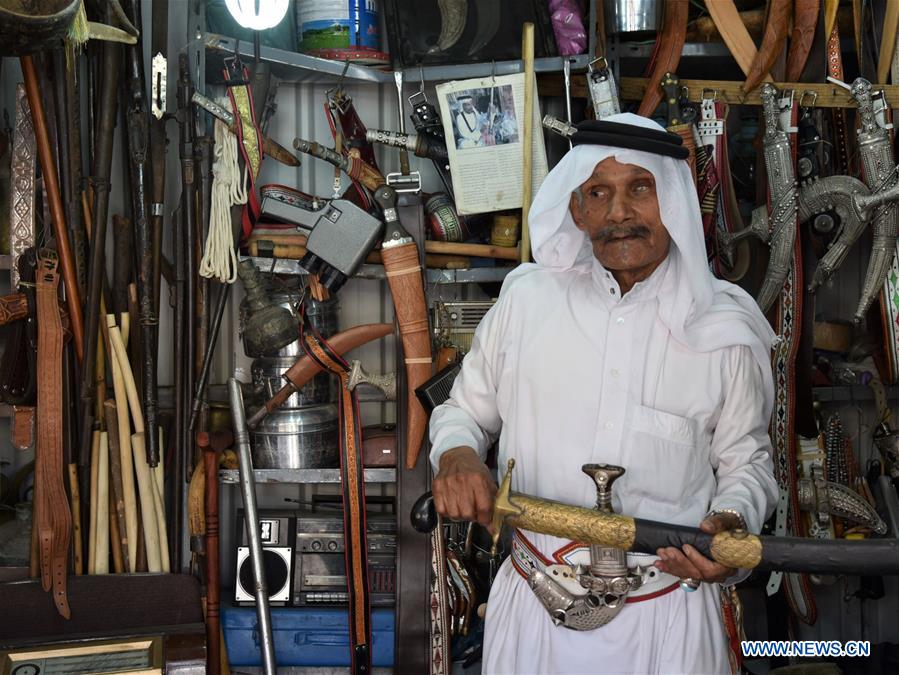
x: 702, y: 312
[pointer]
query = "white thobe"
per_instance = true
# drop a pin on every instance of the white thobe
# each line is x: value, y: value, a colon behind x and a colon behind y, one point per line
x: 469, y: 127
x: 571, y: 372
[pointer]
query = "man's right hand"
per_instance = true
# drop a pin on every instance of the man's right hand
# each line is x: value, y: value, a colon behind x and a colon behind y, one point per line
x: 463, y: 488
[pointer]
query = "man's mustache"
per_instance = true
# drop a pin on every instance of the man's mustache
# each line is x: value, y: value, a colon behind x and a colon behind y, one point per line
x: 619, y: 231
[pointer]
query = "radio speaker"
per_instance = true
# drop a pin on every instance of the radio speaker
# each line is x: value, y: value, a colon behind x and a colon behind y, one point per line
x: 277, y: 561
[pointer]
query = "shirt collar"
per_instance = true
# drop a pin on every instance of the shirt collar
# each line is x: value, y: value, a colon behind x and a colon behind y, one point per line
x: 645, y: 290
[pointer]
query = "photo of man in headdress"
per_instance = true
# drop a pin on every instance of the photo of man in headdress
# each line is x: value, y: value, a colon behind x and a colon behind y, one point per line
x: 484, y: 117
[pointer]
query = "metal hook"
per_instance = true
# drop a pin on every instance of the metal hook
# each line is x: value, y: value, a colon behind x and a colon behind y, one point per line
x: 707, y: 91
x: 811, y: 94
x: 234, y: 66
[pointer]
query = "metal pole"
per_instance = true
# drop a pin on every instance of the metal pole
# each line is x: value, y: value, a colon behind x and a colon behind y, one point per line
x: 251, y: 519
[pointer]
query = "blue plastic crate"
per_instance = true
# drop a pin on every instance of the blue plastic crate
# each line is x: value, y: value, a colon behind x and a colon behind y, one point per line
x: 305, y: 636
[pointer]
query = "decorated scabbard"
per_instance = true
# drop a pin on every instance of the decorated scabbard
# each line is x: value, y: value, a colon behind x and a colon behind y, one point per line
x: 782, y: 192
x: 353, y: 165
x: 404, y: 275
x: 879, y: 172
x: 776, y: 29
x: 270, y: 147
x: 732, y: 548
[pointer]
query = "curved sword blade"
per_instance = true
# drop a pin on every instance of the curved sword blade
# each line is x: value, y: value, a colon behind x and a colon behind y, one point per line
x: 488, y: 16
x: 452, y: 23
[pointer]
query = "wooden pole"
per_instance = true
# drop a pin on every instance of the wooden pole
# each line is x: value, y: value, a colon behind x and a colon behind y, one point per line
x: 76, y: 518
x: 92, y: 532
x: 527, y: 55
x: 57, y: 213
x: 110, y: 414
x: 127, y: 465
x: 101, y: 557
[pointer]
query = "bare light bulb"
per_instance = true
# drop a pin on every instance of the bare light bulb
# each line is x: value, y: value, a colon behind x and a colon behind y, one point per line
x: 257, y: 14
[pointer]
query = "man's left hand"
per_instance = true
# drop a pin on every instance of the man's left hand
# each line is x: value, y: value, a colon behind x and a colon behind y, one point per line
x: 690, y: 563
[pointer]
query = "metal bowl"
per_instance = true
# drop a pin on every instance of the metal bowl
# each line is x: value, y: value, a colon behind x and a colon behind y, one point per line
x: 301, y: 438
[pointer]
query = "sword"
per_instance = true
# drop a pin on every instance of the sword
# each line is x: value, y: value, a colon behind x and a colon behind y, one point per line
x: 732, y: 548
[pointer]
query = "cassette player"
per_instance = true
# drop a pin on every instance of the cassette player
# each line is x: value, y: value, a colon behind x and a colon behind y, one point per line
x: 304, y: 558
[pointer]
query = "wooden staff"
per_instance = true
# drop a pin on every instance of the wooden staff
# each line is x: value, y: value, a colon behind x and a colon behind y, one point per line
x: 209, y: 444
x: 76, y: 518
x: 115, y: 537
x: 151, y: 500
x: 110, y: 414
x: 293, y: 246
x: 127, y: 465
x: 57, y: 213
x: 101, y: 557
x: 92, y: 531
x: 527, y: 55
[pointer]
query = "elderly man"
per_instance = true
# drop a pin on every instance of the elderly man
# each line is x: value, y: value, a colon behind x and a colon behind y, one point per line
x: 618, y: 346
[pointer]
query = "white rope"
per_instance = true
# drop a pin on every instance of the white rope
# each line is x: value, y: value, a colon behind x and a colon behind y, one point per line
x: 219, y: 257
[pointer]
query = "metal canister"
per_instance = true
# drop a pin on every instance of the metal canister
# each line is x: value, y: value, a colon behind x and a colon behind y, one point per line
x: 340, y: 29
x: 268, y: 380
x: 298, y: 438
x: 633, y: 16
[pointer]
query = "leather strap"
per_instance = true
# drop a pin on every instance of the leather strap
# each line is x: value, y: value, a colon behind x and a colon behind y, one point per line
x: 773, y: 41
x: 669, y: 45
x: 348, y: 132
x: 805, y: 19
x: 53, y: 519
x: 441, y: 638
x: 353, y: 488
x: 835, y: 69
x: 250, y: 142
x: 788, y: 326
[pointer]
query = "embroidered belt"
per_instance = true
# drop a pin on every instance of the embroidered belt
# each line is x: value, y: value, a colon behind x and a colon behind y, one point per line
x: 526, y: 557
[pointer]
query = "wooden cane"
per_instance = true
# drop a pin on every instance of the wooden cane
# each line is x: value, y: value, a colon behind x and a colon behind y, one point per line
x: 527, y: 179
x: 76, y: 519
x: 101, y: 556
x: 145, y: 483
x: 115, y: 537
x: 127, y: 465
x: 110, y: 414
x: 92, y: 532
x: 57, y: 213
x: 213, y: 645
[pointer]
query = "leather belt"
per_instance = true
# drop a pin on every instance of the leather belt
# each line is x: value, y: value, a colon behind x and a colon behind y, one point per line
x: 353, y: 488
x: 788, y: 325
x: 53, y: 519
x: 526, y: 557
